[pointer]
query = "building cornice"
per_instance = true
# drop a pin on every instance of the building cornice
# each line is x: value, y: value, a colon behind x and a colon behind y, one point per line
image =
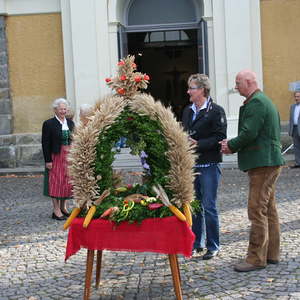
x: 21, y: 7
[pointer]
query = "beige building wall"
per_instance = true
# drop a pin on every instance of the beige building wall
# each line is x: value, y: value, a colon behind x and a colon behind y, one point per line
x: 280, y: 22
x: 36, y: 68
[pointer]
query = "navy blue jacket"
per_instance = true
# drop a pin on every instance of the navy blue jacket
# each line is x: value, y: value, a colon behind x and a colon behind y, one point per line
x: 209, y: 128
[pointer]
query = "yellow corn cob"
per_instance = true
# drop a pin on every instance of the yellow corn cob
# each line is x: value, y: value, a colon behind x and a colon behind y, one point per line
x: 177, y: 212
x: 73, y: 215
x: 188, y: 214
x: 89, y: 216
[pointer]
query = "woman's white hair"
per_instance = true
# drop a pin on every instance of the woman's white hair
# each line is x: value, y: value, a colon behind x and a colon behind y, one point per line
x: 59, y: 101
x: 85, y: 109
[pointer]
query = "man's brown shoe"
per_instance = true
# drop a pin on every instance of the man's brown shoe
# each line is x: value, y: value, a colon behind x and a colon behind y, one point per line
x: 245, y: 267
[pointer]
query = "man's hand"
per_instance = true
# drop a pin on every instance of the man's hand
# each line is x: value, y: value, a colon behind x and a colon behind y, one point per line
x: 49, y: 165
x: 224, y: 147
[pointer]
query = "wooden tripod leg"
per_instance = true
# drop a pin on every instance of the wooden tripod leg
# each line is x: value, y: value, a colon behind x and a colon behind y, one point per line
x: 88, y: 274
x: 175, y: 275
x: 178, y: 268
x: 98, y: 268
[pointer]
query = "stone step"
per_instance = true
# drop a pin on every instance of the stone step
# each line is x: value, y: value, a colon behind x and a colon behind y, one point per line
x: 126, y: 161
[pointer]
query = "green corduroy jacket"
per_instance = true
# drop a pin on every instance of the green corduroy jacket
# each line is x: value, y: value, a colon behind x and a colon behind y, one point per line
x: 258, y: 141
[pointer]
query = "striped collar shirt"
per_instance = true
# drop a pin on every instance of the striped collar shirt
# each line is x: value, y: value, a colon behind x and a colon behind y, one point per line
x: 196, y: 111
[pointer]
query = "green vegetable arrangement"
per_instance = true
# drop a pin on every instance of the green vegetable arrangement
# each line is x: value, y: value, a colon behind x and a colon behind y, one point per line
x: 145, y: 138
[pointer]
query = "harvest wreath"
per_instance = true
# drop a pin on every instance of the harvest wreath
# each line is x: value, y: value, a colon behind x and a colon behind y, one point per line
x: 153, y: 133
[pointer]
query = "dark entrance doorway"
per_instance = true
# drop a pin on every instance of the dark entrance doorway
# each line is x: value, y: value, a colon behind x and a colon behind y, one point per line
x: 169, y: 41
x: 169, y: 57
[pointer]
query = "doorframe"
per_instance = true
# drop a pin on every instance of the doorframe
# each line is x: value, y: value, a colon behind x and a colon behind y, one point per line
x: 201, y: 27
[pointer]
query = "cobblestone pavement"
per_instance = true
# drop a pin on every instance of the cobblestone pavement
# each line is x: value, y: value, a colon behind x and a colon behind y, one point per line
x: 32, y: 249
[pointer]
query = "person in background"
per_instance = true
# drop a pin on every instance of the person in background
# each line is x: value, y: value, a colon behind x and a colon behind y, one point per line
x: 56, y: 140
x: 259, y: 154
x: 70, y: 113
x: 206, y: 124
x: 85, y: 111
x: 294, y: 127
x: 121, y: 143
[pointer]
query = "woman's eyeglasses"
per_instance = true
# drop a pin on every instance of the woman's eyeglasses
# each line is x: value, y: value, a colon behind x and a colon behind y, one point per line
x: 193, y: 88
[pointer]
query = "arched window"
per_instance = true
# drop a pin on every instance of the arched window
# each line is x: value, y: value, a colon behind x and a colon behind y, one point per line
x: 142, y: 12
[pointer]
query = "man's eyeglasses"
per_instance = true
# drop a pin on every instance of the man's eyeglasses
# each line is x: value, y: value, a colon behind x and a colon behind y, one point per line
x: 193, y: 88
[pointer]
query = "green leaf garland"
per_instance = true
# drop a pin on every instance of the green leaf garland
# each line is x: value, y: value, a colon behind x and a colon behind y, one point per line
x: 143, y: 134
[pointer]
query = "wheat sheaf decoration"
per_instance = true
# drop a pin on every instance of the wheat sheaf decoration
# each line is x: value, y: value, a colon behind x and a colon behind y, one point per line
x: 152, y: 130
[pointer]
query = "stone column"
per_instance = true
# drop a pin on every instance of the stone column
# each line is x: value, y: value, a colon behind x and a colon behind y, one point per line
x: 86, y: 50
x: 237, y: 46
x: 5, y: 101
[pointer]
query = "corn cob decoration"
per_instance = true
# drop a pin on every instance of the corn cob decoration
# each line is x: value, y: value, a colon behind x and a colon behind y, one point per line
x: 93, y: 208
x: 89, y: 216
x: 161, y: 194
x: 188, y: 214
x: 75, y: 212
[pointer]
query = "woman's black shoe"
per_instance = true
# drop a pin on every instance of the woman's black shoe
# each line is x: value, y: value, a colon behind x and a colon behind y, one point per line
x: 65, y: 213
x: 55, y: 217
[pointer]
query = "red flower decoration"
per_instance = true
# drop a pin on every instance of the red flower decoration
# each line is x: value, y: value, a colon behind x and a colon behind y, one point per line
x: 134, y: 65
x: 121, y: 63
x: 130, y: 118
x: 137, y: 79
x: 121, y: 91
x: 146, y: 77
x: 107, y: 79
x: 123, y: 77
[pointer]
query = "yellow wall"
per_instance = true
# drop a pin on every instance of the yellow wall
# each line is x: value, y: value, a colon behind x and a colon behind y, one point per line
x: 280, y: 22
x: 36, y: 68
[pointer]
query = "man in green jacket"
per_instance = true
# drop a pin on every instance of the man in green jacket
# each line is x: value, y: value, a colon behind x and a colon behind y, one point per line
x: 259, y: 154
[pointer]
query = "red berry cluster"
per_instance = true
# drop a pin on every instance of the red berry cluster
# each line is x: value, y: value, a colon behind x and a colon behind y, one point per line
x: 128, y: 81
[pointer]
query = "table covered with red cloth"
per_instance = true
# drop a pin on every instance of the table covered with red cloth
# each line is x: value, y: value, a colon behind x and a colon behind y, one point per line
x: 162, y: 235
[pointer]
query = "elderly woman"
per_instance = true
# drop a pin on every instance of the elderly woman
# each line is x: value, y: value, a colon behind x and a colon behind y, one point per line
x: 85, y: 111
x: 206, y: 124
x: 56, y: 138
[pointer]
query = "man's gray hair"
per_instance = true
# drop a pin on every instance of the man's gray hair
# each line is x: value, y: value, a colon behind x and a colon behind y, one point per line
x: 59, y: 101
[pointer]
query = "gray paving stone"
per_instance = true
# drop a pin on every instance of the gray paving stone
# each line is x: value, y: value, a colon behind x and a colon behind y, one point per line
x: 32, y: 249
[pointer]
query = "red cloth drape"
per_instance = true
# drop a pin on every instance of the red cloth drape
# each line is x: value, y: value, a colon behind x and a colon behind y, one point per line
x: 163, y: 235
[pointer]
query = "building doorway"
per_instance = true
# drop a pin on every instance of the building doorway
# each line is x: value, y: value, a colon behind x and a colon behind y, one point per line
x: 169, y: 45
x: 169, y: 57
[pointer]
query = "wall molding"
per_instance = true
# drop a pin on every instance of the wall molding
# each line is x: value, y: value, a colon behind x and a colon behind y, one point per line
x: 21, y: 7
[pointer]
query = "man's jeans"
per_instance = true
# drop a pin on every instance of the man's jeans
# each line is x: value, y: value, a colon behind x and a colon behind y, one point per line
x: 264, y: 241
x: 207, y: 227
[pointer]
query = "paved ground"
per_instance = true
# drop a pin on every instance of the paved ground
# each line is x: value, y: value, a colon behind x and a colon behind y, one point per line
x: 32, y: 249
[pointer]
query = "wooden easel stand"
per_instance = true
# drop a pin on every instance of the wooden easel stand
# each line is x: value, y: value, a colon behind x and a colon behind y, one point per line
x: 89, y: 270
